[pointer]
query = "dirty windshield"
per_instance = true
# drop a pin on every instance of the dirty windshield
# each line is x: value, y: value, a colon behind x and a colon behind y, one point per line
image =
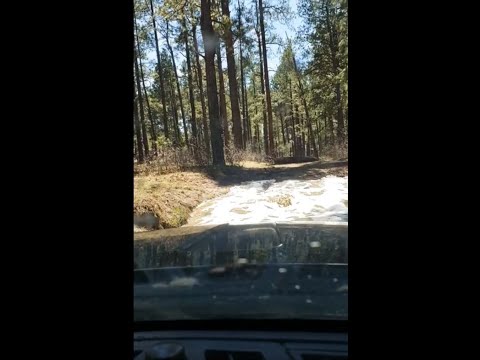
x: 240, y: 150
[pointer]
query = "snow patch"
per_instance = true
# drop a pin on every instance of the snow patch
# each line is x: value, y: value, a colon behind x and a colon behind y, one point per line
x: 325, y: 199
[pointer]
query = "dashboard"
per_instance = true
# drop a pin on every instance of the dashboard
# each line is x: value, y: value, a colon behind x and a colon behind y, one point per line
x: 240, y: 345
x: 269, y: 277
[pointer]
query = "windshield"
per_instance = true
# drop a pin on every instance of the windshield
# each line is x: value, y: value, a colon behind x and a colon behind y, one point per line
x: 267, y: 271
x: 241, y: 160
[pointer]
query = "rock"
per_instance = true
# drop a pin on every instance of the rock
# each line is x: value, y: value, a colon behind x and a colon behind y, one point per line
x: 146, y: 221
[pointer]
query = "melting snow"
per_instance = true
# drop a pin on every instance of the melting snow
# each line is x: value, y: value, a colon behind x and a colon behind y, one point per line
x: 325, y: 199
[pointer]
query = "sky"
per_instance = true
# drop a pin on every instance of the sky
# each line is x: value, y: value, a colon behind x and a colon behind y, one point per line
x: 273, y: 51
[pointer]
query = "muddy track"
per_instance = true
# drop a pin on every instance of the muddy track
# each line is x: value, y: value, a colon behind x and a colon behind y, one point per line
x: 304, y: 171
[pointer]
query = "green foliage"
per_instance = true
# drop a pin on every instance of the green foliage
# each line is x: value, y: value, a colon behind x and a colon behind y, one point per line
x: 277, y: 10
x: 326, y: 29
x: 163, y: 142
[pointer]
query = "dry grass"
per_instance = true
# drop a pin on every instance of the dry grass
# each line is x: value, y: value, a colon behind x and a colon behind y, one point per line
x: 248, y: 164
x: 282, y: 200
x: 171, y: 197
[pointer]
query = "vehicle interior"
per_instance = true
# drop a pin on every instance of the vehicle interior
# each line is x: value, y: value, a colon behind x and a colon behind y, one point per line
x: 267, y: 291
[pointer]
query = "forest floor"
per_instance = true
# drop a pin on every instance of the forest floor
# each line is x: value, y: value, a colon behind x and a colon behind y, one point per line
x: 172, y: 197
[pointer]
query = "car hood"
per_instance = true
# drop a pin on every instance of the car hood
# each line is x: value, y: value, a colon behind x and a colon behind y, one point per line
x: 227, y: 245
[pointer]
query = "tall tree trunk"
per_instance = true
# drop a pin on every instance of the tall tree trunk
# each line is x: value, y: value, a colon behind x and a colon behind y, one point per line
x: 257, y: 131
x: 249, y: 125
x: 262, y: 90
x: 140, y: 105
x: 319, y: 133
x: 223, y: 104
x: 242, y: 79
x: 279, y: 136
x: 301, y: 136
x: 210, y: 40
x: 346, y: 123
x: 282, y: 128
x: 340, y: 120
x: 232, y: 80
x: 160, y: 74
x: 206, y: 135
x: 325, y: 127
x: 198, y: 98
x: 267, y: 82
x: 149, y: 110
x: 297, y: 137
x: 300, y: 123
x: 138, y: 132
x: 292, y: 120
x: 134, y: 143
x: 331, y: 130
x: 333, y: 43
x: 244, y: 111
x: 193, y: 121
x: 309, y: 143
x: 304, y: 101
x: 173, y: 105
x: 182, y: 110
